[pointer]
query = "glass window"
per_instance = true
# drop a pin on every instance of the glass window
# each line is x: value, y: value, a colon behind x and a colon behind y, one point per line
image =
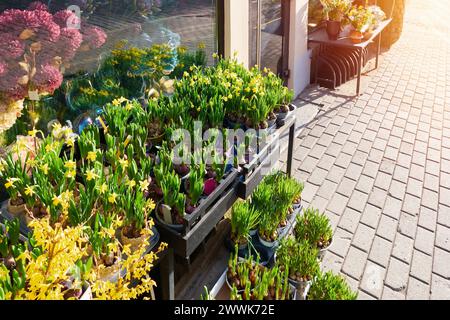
x: 64, y: 59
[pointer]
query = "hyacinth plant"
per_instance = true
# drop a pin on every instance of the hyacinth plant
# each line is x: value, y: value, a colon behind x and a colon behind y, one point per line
x: 315, y: 228
x: 299, y: 257
x: 243, y: 274
x: 328, y: 286
x: 244, y: 218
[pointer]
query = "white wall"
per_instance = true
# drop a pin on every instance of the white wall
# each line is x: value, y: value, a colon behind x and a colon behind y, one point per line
x: 237, y: 30
x: 299, y: 56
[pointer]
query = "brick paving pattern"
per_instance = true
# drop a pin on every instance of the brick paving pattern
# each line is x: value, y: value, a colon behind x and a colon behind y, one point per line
x: 379, y: 166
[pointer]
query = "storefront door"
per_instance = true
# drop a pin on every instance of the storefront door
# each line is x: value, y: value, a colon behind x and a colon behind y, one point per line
x: 269, y: 35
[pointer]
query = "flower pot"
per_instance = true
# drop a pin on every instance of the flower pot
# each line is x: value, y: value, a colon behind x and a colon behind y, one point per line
x: 230, y: 286
x: 253, y: 232
x: 176, y: 227
x: 110, y: 273
x: 297, y: 205
x: 87, y: 294
x: 282, y: 115
x: 322, y: 252
x: 333, y: 29
x: 14, y: 210
x: 134, y: 243
x: 267, y: 244
x: 301, y: 288
x: 356, y: 36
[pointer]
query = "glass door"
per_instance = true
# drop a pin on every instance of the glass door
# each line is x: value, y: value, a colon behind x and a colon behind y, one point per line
x: 269, y: 35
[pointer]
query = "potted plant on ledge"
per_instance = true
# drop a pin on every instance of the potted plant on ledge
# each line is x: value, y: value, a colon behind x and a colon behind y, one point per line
x: 335, y: 11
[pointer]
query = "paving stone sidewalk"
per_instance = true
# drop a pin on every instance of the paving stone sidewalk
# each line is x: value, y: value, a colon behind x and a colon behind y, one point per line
x: 379, y: 166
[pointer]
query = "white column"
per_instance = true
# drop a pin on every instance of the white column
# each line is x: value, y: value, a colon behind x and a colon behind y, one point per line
x: 299, y: 55
x: 237, y: 30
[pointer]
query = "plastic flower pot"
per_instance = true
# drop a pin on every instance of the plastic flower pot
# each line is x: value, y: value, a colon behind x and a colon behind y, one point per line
x: 253, y: 232
x: 87, y: 294
x: 267, y: 244
x: 322, y: 251
x: 333, y: 29
x: 167, y: 211
x: 301, y: 288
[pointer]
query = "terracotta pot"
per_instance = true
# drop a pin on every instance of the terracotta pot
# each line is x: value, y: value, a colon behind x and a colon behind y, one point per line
x: 16, y: 210
x: 134, y: 243
x: 356, y: 36
x: 333, y: 29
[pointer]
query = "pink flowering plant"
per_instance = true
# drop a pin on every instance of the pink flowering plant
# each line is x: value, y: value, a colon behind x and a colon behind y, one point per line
x: 35, y: 48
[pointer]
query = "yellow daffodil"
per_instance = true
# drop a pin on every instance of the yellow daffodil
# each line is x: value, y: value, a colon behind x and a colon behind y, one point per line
x: 70, y: 141
x: 71, y: 165
x: 131, y: 184
x: 10, y: 182
x: 144, y: 185
x: 70, y: 174
x: 91, y: 175
x: 44, y: 168
x: 112, y: 198
x: 92, y: 156
x: 56, y: 201
x: 31, y: 163
x: 29, y: 190
x: 123, y: 163
x: 103, y: 188
x: 32, y: 133
x: 151, y: 204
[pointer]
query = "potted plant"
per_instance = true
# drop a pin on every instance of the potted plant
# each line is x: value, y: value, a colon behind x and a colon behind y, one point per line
x: 361, y: 19
x: 195, y: 187
x: 273, y: 285
x: 169, y: 210
x: 301, y: 261
x: 12, y: 268
x: 327, y: 286
x: 104, y: 248
x: 137, y: 208
x: 378, y: 15
x: 316, y: 229
x: 244, y: 218
x: 268, y: 228
x: 335, y: 11
x: 244, y: 273
x: 15, y: 176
